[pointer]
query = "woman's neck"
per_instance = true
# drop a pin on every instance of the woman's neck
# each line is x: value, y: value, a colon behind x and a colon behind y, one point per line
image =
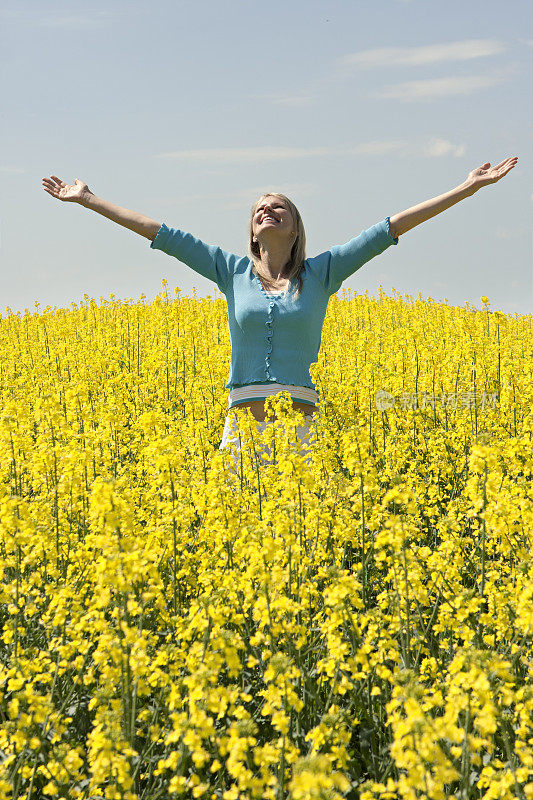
x: 274, y: 259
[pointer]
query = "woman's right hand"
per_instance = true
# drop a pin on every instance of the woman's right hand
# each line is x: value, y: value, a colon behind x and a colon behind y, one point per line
x: 80, y: 193
x: 64, y: 191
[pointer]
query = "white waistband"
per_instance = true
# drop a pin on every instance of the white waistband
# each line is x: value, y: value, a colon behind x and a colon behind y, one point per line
x: 260, y: 391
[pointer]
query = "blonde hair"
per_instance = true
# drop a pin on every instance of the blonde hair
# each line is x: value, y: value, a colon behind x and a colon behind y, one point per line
x: 295, y: 264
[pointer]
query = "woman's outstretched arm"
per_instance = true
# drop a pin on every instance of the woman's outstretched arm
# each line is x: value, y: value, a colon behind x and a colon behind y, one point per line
x: 479, y: 177
x: 80, y: 193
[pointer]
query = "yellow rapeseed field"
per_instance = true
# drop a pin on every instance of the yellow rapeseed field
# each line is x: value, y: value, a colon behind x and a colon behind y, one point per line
x: 360, y: 627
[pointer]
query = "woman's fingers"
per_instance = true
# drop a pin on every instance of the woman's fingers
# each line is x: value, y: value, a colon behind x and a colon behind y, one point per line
x: 504, y: 167
x: 507, y: 161
x: 55, y: 186
x: 52, y: 184
x: 49, y: 187
x: 510, y: 164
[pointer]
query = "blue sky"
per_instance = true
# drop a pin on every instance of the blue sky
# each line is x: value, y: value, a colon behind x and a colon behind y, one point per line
x: 188, y: 111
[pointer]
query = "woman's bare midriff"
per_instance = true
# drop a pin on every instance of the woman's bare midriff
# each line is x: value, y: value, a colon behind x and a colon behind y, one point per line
x: 257, y: 407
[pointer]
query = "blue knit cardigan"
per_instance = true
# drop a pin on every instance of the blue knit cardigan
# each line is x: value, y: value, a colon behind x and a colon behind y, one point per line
x: 274, y: 338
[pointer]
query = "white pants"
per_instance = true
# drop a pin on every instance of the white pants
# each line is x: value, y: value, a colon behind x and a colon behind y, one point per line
x: 231, y: 436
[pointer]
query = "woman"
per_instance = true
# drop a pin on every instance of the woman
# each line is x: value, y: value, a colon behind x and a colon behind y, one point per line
x: 277, y: 298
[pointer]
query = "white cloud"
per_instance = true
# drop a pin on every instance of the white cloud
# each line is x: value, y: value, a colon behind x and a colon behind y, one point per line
x: 245, y: 197
x: 511, y: 233
x: 425, y: 54
x: 93, y: 19
x: 434, y: 88
x: 442, y: 147
x: 378, y: 148
x: 296, y: 100
x: 435, y: 148
x: 271, y: 153
x: 250, y: 154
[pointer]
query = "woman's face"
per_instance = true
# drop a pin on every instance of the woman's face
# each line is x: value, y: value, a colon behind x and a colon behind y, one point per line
x: 272, y: 217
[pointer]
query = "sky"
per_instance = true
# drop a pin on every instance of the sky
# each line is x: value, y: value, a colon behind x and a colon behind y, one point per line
x: 188, y: 111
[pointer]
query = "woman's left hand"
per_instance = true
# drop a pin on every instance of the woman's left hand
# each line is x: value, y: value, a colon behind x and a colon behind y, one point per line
x: 486, y: 174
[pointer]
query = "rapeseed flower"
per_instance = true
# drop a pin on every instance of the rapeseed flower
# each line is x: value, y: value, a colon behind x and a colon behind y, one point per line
x: 351, y: 621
